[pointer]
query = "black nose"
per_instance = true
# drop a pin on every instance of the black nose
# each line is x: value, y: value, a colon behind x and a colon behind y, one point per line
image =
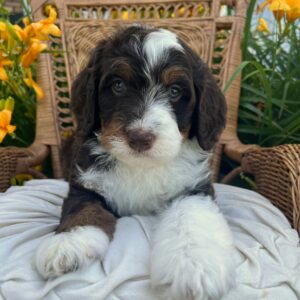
x: 140, y: 140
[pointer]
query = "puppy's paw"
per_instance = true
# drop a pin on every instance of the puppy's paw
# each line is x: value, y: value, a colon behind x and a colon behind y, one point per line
x: 191, y: 275
x: 192, y: 257
x: 68, y: 251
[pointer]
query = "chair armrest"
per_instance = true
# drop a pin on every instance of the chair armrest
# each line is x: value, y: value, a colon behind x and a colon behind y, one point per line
x: 277, y: 176
x: 20, y: 160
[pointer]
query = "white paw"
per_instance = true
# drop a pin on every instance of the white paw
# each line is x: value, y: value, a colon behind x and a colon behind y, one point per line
x: 192, y: 255
x: 68, y: 251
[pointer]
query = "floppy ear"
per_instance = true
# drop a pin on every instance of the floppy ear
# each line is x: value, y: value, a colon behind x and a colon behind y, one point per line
x: 210, y: 110
x: 84, y: 94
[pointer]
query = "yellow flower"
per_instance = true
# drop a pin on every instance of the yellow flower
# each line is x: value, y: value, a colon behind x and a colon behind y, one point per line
x: 294, y: 12
x: 5, y: 127
x: 22, y: 34
x: 4, y: 62
x: 263, y: 26
x: 277, y: 5
x: 26, y: 21
x: 40, y: 30
x: 32, y: 53
x: 2, y: 26
x: 10, y: 35
x: 3, y: 31
x: 31, y: 83
x: 290, y: 8
x: 43, y: 28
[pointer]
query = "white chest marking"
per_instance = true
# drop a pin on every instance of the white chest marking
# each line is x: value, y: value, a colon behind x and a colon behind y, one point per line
x: 140, y: 190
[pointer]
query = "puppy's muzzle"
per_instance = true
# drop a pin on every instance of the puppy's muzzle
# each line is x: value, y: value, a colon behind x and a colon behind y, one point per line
x: 140, y: 140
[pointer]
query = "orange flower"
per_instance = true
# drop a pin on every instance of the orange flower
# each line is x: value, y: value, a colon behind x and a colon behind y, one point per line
x: 32, y: 53
x: 22, y: 34
x: 5, y: 127
x: 290, y: 8
x: 263, y: 26
x: 26, y: 21
x: 4, y: 62
x: 31, y: 83
x: 43, y: 28
x: 40, y: 30
x: 294, y: 12
x: 277, y: 5
x: 2, y: 26
x: 3, y: 31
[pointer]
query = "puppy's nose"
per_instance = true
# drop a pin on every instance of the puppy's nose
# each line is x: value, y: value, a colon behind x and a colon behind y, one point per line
x: 140, y: 140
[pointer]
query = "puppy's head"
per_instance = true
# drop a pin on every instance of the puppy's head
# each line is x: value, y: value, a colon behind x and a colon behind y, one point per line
x: 145, y: 91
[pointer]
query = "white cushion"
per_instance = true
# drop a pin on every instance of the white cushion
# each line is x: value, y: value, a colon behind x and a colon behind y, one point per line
x: 268, y: 263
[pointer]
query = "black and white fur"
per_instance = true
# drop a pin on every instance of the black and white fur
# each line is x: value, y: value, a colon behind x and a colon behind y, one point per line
x: 148, y: 114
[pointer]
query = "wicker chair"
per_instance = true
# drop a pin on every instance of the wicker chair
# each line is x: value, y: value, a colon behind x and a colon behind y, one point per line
x: 214, y: 37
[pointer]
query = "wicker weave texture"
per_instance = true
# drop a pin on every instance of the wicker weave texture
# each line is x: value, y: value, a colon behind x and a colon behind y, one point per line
x: 214, y: 37
x: 21, y: 160
x: 8, y: 164
x: 277, y: 175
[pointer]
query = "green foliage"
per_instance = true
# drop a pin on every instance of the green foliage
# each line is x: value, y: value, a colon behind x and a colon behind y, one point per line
x: 3, y: 11
x: 25, y: 98
x: 24, y: 119
x: 269, y: 112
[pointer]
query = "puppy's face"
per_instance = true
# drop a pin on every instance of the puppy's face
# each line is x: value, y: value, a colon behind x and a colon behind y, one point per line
x: 145, y: 91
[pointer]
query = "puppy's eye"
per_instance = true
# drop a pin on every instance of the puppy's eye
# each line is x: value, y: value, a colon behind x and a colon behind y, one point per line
x: 174, y: 92
x: 118, y: 86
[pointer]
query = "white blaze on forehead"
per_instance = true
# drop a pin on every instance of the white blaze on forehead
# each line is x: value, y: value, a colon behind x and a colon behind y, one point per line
x: 157, y: 42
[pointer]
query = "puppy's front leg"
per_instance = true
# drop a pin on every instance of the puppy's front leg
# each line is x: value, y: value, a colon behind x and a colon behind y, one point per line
x: 192, y: 253
x: 82, y: 236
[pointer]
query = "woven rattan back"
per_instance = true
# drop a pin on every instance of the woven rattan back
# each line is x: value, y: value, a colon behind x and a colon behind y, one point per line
x: 214, y: 37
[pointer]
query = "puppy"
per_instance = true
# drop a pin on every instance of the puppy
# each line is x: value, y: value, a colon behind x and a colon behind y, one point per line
x: 148, y: 114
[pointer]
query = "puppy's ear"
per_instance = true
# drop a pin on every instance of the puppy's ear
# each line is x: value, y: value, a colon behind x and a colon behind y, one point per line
x: 84, y: 94
x: 210, y: 111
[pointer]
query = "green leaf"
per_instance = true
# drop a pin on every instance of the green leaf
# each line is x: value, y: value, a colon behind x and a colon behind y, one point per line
x: 235, y: 74
x: 11, y: 30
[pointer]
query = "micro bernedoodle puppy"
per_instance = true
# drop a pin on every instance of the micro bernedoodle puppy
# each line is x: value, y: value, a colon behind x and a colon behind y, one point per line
x: 148, y: 114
